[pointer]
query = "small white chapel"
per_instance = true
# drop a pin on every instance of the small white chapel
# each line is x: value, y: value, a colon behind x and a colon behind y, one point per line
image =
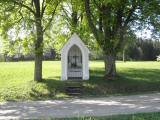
x: 75, y: 60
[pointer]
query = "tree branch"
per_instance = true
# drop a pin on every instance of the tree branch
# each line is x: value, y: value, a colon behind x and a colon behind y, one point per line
x: 98, y: 6
x: 43, y: 8
x: 128, y: 19
x: 122, y: 32
x: 25, y: 6
x: 65, y: 11
x: 37, y: 8
x: 66, y: 15
x: 90, y: 21
x: 52, y: 16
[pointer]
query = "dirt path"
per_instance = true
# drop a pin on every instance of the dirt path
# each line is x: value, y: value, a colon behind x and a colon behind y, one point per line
x: 81, y: 107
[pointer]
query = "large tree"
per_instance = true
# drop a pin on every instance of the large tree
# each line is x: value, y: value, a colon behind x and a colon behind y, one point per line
x: 34, y: 15
x: 74, y: 18
x: 109, y: 20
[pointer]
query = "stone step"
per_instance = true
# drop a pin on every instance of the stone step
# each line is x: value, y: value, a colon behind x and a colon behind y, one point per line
x: 74, y: 88
x: 74, y: 94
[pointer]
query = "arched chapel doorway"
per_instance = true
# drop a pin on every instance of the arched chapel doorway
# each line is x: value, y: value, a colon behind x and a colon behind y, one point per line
x: 75, y: 70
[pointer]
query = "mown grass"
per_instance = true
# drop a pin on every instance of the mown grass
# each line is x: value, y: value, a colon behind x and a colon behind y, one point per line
x: 16, y: 80
x: 142, y: 116
x: 132, y: 78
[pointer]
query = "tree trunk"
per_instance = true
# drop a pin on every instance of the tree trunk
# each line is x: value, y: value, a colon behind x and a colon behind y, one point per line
x: 124, y: 58
x: 38, y: 52
x: 5, y: 57
x: 38, y: 42
x: 38, y: 68
x: 110, y: 66
x: 74, y: 22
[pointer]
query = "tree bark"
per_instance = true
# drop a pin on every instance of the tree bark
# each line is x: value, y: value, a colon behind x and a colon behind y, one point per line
x: 38, y: 43
x: 5, y: 57
x: 110, y: 66
x: 38, y: 52
x: 38, y: 68
x: 124, y: 57
x: 74, y: 22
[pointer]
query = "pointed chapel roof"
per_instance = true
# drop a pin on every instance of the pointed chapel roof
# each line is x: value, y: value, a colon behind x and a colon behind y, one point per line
x: 74, y: 40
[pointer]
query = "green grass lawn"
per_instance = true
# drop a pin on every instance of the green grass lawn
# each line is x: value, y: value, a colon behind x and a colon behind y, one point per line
x: 142, y: 116
x: 16, y: 80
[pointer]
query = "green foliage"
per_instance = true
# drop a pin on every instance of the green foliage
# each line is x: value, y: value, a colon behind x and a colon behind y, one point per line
x: 17, y: 17
x: 74, y: 20
x: 141, y: 49
x: 18, y: 23
x: 13, y: 25
x: 110, y: 20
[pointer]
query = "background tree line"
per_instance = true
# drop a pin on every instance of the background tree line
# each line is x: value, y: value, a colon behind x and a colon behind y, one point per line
x: 140, y: 50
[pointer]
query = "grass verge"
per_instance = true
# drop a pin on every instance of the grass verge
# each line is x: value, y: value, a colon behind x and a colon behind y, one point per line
x: 141, y: 116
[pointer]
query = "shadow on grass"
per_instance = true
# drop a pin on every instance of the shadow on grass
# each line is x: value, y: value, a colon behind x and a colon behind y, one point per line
x: 31, y: 90
x: 127, y: 82
x: 48, y: 89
